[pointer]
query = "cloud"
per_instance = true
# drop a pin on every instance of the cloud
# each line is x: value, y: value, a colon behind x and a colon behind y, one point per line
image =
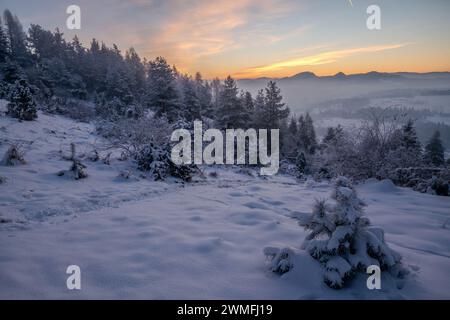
x: 200, y: 29
x: 314, y: 60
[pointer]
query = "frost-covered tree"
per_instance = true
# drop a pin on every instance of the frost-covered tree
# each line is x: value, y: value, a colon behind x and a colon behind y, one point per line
x: 259, y: 105
x: 231, y: 113
x: 161, y: 89
x: 216, y: 91
x: 434, y: 151
x: 409, y: 139
x: 21, y: 105
x: 4, y: 45
x: 16, y: 39
x: 342, y: 239
x: 301, y: 163
x: 135, y: 71
x: 274, y: 109
x: 403, y: 151
x: 190, y: 104
x: 307, y: 140
x: 290, y: 140
x: 157, y: 160
x: 247, y: 101
x: 204, y: 95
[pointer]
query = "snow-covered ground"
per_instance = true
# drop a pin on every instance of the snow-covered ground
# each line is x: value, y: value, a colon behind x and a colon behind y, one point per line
x: 158, y: 240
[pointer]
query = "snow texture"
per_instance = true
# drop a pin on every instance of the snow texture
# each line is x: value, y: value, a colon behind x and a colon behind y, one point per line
x: 138, y: 238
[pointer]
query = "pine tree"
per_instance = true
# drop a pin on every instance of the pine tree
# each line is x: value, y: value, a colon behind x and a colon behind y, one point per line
x: 343, y: 241
x: 4, y: 46
x: 274, y: 109
x: 329, y: 137
x: 190, y: 102
x: 204, y: 95
x: 231, y: 113
x: 11, y: 71
x: 216, y: 91
x: 135, y: 71
x: 16, y: 38
x: 42, y: 42
x: 434, y: 151
x: 409, y: 137
x: 162, y: 95
x: 259, y: 105
x: 300, y: 163
x: 290, y: 140
x: 247, y: 101
x: 22, y: 105
x: 311, y: 141
x: 302, y: 133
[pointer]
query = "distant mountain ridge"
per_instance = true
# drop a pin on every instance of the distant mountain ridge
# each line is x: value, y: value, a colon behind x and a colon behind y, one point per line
x: 306, y: 89
x: 372, y: 75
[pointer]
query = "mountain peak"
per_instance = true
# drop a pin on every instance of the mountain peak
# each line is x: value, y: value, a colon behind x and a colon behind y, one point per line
x: 304, y: 75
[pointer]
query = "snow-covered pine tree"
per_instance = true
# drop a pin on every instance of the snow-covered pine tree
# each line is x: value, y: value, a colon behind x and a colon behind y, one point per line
x: 216, y: 90
x: 274, y: 110
x: 247, y: 101
x: 301, y: 163
x: 329, y: 137
x: 135, y: 71
x: 204, y: 95
x: 403, y: 150
x: 342, y: 239
x: 231, y: 113
x: 290, y: 140
x: 16, y: 39
x: 311, y: 141
x: 258, y: 104
x: 302, y: 133
x: 189, y: 101
x: 21, y: 105
x: 434, y: 151
x: 157, y: 160
x: 161, y: 90
x: 4, y: 46
x: 409, y: 137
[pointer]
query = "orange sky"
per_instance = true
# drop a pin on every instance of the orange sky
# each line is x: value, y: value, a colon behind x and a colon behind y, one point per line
x: 255, y: 38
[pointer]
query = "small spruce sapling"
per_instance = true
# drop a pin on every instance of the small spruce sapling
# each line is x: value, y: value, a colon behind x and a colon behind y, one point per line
x: 22, y: 105
x: 342, y: 239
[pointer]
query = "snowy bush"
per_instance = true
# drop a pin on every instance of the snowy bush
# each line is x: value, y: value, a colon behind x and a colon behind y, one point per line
x: 78, y: 110
x: 423, y: 179
x: 2, y: 180
x: 13, y: 156
x: 342, y: 240
x: 22, y: 105
x: 131, y: 135
x: 280, y: 259
x: 113, y: 109
x: 157, y: 160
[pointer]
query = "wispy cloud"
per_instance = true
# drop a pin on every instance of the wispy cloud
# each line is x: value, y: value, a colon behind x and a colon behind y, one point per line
x: 207, y: 28
x: 314, y: 60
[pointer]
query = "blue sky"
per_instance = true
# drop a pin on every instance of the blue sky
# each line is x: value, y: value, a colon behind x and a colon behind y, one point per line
x: 252, y: 38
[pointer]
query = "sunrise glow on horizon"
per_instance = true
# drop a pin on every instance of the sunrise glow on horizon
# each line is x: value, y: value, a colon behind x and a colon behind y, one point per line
x: 261, y: 38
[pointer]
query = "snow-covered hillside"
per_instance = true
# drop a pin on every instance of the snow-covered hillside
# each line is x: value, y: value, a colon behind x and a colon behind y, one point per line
x: 135, y: 238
